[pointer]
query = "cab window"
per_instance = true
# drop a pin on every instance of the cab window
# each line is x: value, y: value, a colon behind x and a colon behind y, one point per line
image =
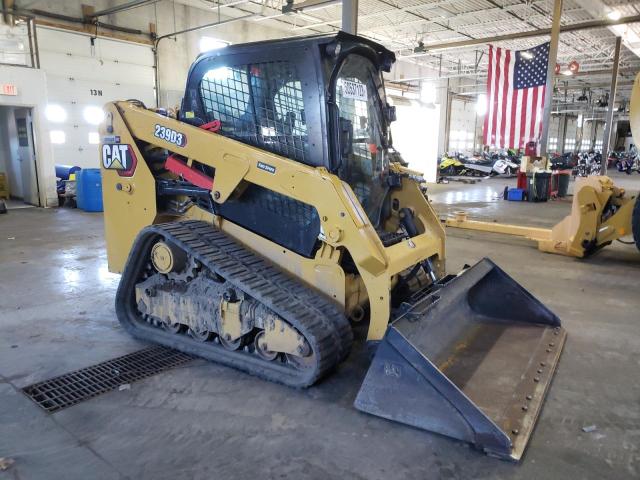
x: 260, y: 104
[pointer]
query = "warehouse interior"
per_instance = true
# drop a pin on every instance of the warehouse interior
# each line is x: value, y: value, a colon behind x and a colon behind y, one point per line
x: 198, y: 279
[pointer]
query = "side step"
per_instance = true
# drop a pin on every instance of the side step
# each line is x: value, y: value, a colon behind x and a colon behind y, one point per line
x: 472, y: 360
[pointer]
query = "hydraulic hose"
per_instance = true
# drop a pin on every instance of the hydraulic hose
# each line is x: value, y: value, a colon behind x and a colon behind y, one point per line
x: 409, y: 224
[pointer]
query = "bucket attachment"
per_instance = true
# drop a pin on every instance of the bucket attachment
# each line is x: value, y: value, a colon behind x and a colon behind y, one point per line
x: 471, y: 360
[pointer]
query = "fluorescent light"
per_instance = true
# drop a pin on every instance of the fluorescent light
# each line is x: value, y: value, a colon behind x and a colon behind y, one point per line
x: 614, y: 15
x: 481, y: 105
x: 57, y: 137
x: 55, y: 113
x: 526, y: 54
x: 209, y: 43
x: 298, y: 8
x: 93, y: 115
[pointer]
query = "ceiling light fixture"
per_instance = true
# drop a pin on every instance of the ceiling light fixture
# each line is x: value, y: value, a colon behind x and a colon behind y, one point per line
x: 614, y: 15
x: 420, y: 48
x: 583, y: 97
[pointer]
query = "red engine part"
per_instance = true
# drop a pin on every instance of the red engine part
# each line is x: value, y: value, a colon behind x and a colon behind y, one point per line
x: 212, y: 126
x: 177, y: 166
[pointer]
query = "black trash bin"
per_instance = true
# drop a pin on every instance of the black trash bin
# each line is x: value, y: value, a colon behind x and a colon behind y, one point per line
x: 538, y: 186
x: 563, y: 183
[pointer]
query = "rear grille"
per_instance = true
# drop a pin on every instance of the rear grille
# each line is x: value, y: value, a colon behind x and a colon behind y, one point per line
x: 75, y: 387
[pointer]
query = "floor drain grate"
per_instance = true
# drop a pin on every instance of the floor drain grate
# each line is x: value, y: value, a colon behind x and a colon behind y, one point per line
x: 75, y: 387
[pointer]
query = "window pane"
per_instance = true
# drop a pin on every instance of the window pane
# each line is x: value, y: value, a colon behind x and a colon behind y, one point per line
x: 260, y: 104
x: 360, y: 113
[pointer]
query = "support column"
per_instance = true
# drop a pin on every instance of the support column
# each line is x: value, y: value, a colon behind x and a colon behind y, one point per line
x: 475, y: 129
x: 447, y: 121
x: 350, y: 16
x: 608, y: 128
x: 443, y: 101
x: 562, y: 132
x: 553, y: 55
x: 579, y: 132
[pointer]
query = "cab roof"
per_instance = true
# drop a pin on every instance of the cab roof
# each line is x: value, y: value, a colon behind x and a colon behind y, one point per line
x: 385, y: 57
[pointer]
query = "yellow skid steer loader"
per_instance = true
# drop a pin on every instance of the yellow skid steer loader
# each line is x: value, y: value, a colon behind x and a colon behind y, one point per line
x: 254, y: 224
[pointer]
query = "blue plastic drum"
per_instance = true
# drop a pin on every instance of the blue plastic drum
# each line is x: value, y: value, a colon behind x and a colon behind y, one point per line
x: 89, y: 190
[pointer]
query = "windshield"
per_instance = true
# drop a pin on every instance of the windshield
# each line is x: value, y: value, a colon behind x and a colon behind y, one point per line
x: 359, y: 97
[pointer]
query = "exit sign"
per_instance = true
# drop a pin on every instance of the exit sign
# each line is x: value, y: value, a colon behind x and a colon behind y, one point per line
x: 8, y: 89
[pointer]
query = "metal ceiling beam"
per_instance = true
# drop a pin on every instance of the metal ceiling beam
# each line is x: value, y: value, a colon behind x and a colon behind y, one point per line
x: 291, y: 7
x: 470, y: 72
x: 350, y: 16
x: 408, y: 9
x: 531, y: 33
x: 122, y: 7
x: 605, y: 71
x: 182, y: 32
x: 207, y: 25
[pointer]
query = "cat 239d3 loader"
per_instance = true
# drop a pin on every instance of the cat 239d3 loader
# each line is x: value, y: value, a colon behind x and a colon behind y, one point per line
x: 253, y: 225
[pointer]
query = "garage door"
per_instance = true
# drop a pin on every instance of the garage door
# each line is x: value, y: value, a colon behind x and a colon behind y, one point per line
x: 462, y: 126
x: 81, y: 78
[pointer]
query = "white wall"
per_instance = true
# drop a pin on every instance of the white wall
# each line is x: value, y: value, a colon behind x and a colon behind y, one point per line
x: 175, y: 54
x: 32, y: 92
x: 14, y: 45
x: 81, y: 76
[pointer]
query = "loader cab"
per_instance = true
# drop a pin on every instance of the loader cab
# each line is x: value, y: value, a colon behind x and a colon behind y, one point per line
x: 317, y: 100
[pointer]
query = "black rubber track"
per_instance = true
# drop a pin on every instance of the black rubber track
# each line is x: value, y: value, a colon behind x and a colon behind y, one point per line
x: 635, y: 222
x: 321, y: 321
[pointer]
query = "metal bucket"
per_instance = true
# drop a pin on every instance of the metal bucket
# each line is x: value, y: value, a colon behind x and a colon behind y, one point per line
x: 471, y: 360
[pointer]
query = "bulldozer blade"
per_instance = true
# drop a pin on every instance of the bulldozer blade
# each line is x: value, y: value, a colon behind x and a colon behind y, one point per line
x: 471, y: 360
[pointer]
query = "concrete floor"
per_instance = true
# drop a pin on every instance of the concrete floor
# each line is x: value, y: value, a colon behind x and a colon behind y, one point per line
x: 208, y: 421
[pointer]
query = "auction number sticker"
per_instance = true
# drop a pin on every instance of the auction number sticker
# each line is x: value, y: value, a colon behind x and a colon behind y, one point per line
x: 170, y: 135
x: 355, y: 90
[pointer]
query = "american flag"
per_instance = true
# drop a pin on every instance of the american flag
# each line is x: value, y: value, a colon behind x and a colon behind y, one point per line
x: 515, y: 96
